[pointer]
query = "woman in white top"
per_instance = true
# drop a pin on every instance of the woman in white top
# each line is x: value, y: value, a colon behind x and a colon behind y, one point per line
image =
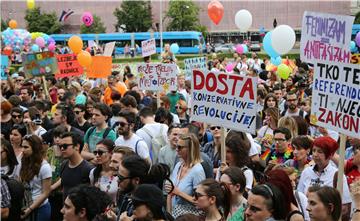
x: 35, y: 174
x: 102, y: 176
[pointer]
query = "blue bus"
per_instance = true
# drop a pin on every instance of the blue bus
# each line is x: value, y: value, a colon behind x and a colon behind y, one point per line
x: 190, y: 42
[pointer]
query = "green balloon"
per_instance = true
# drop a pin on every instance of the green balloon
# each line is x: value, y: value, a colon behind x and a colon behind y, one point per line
x: 283, y: 71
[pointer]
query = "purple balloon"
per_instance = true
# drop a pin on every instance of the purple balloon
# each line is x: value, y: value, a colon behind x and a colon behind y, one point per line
x: 239, y: 49
x: 357, y: 39
x: 40, y: 42
x: 51, y: 47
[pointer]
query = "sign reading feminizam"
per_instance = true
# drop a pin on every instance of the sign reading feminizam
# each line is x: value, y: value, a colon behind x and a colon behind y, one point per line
x: 224, y: 100
x: 157, y: 77
x: 325, y: 37
x: 39, y: 64
x: 148, y: 47
x: 336, y: 97
x: 4, y: 65
x: 191, y: 64
x: 68, y: 66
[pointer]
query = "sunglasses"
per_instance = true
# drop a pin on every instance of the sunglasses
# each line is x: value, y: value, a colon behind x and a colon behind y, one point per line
x: 122, y: 124
x: 179, y: 147
x: 215, y: 127
x: 122, y: 178
x: 65, y: 146
x: 197, y: 195
x: 16, y: 116
x: 19, y: 80
x: 177, y: 107
x: 77, y: 112
x: 99, y: 152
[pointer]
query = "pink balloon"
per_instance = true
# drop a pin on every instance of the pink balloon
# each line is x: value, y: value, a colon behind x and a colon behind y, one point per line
x: 40, y: 41
x: 239, y: 49
x: 51, y: 47
x: 230, y: 67
x: 87, y: 19
x: 357, y: 39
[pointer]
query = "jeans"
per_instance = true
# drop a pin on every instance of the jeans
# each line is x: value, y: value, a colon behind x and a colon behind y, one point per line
x: 43, y: 213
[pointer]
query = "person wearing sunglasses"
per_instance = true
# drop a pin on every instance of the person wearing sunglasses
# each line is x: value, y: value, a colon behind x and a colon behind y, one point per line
x: 17, y: 115
x: 212, y: 149
x: 181, y: 110
x: 35, y: 175
x: 265, y: 203
x: 102, y: 176
x: 80, y: 122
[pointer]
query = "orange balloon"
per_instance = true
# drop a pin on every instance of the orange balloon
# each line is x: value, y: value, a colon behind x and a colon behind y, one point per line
x: 215, y: 11
x: 76, y: 44
x: 84, y: 58
x: 12, y: 24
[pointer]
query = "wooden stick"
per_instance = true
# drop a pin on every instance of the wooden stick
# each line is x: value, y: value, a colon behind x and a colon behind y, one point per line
x: 341, y: 164
x: 158, y: 99
x: 223, y: 148
x: 45, y: 88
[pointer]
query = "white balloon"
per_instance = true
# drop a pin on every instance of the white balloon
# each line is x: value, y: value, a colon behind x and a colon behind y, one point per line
x: 243, y: 20
x: 283, y: 39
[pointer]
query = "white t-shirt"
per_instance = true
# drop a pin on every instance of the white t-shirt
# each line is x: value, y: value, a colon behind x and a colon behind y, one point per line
x: 40, y: 131
x: 109, y: 185
x: 255, y: 148
x: 136, y: 143
x: 176, y: 119
x: 36, y: 182
x: 302, y: 204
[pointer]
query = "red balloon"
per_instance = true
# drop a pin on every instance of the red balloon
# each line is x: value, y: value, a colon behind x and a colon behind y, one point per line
x: 215, y: 11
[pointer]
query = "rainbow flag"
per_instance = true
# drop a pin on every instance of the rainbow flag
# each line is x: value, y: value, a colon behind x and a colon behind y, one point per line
x: 265, y: 155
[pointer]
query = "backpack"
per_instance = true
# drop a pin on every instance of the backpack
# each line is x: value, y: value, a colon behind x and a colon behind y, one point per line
x: 259, y: 176
x: 92, y: 129
x: 16, y: 190
x: 157, y: 142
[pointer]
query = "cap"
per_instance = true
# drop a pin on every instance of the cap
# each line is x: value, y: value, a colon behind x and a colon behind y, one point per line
x: 149, y: 194
x: 327, y: 144
x: 15, y: 75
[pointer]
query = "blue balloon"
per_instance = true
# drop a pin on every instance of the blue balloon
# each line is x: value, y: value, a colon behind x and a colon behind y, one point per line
x: 276, y: 61
x: 174, y: 48
x: 353, y: 46
x: 267, y: 46
x: 35, y: 48
x: 245, y: 47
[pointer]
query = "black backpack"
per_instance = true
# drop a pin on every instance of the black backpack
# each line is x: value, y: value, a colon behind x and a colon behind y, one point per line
x: 92, y: 129
x: 16, y: 190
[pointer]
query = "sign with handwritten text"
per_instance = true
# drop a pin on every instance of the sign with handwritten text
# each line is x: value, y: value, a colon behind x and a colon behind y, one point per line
x: 224, y: 99
x: 157, y: 77
x: 68, y: 66
x: 40, y: 64
x: 4, y: 65
x: 336, y: 97
x: 355, y: 59
x: 148, y: 47
x: 191, y: 64
x: 325, y: 37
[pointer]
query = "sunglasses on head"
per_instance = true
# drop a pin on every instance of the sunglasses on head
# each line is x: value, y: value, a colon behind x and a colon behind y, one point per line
x: 215, y: 127
x: 65, y: 146
x: 99, y: 152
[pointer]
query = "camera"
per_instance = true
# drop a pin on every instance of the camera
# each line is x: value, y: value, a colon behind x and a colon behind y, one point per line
x: 37, y: 119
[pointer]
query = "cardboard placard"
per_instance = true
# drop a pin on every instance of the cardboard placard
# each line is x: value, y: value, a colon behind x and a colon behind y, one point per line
x: 40, y: 64
x: 148, y: 47
x: 225, y: 100
x: 109, y: 48
x: 355, y: 59
x: 4, y: 65
x: 198, y: 63
x: 100, y: 67
x: 68, y: 66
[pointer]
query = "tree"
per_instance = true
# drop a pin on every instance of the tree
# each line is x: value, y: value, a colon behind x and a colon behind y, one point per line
x: 42, y: 22
x: 183, y: 16
x: 357, y: 18
x: 4, y: 24
x: 134, y: 16
x: 96, y: 27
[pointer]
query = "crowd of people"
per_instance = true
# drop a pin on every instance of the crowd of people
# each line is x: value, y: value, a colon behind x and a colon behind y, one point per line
x: 80, y: 149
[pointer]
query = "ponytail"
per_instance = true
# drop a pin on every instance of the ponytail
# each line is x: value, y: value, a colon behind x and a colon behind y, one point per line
x: 227, y: 199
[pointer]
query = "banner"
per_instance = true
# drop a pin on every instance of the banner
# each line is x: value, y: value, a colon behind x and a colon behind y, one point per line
x: 191, y: 64
x: 109, y: 48
x: 100, y: 67
x: 40, y: 64
x: 325, y: 37
x: 68, y: 66
x: 355, y: 59
x: 223, y: 99
x: 148, y: 47
x: 121, y: 66
x: 336, y: 97
x: 4, y: 65
x: 157, y: 77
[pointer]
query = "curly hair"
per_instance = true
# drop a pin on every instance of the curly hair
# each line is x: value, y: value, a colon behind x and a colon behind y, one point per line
x: 30, y: 165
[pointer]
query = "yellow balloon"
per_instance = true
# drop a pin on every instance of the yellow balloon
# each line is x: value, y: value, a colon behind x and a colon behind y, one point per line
x: 84, y: 58
x: 75, y: 43
x: 30, y: 4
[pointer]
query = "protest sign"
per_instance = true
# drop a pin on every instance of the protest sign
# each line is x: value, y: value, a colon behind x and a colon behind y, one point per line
x: 91, y: 43
x: 191, y: 64
x: 109, y: 48
x: 325, y: 37
x: 336, y: 97
x: 157, y: 77
x: 40, y: 64
x: 148, y: 47
x: 4, y: 65
x: 100, y: 67
x: 355, y: 59
x: 68, y: 66
x: 224, y: 100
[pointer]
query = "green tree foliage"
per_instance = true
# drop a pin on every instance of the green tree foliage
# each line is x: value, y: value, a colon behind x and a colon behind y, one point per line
x: 4, y: 24
x: 96, y: 27
x: 134, y: 15
x: 357, y: 18
x: 42, y: 22
x: 183, y: 16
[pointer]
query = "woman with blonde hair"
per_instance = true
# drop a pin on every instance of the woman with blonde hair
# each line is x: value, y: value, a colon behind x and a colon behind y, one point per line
x: 289, y: 123
x: 187, y: 174
x: 181, y: 109
x: 266, y: 132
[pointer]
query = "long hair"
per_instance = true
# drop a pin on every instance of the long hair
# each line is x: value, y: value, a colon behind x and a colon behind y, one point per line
x: 30, y: 165
x: 192, y: 143
x: 289, y: 123
x: 110, y: 145
x: 10, y: 155
x: 239, y: 145
x: 274, y: 113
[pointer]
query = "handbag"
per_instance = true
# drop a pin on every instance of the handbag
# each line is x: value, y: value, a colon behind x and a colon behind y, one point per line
x: 182, y: 209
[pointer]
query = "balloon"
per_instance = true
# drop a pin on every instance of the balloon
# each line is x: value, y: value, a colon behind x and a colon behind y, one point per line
x: 51, y: 47
x: 283, y: 39
x: 276, y: 61
x: 7, y: 50
x: 87, y: 19
x: 267, y: 46
x: 75, y: 43
x: 230, y: 67
x: 215, y: 11
x: 357, y: 39
x: 239, y: 49
x: 245, y: 47
x: 174, y: 48
x: 352, y: 46
x: 12, y: 24
x: 84, y: 58
x: 35, y: 48
x: 243, y: 20
x: 262, y: 31
x: 283, y: 71
x: 40, y: 41
x: 30, y: 4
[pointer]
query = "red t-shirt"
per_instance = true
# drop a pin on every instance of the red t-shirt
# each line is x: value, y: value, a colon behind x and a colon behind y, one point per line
x: 351, y: 171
